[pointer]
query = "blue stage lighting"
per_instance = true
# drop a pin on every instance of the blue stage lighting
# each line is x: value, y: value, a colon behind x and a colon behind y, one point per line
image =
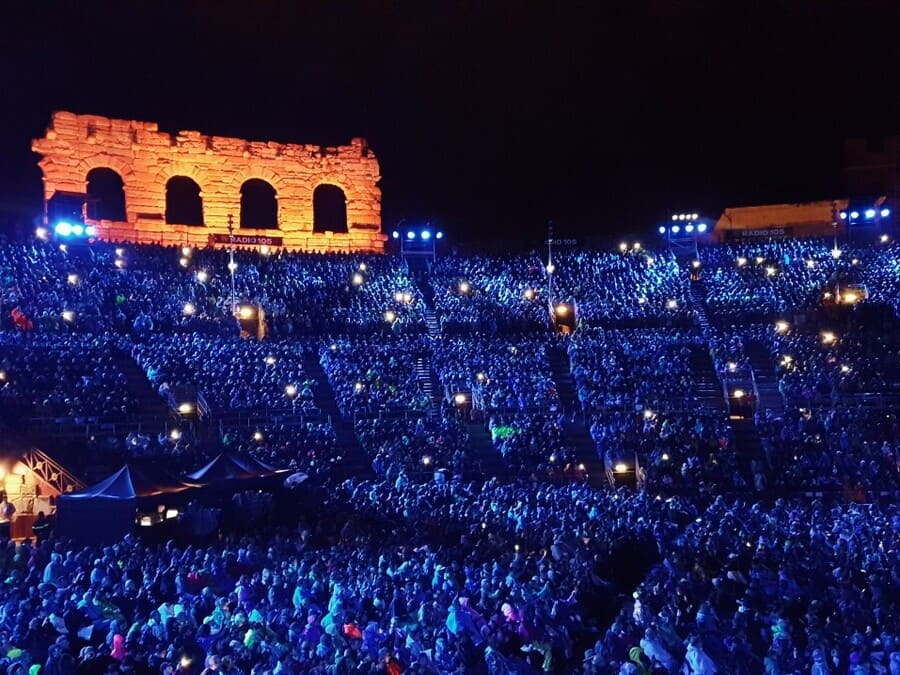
x: 843, y: 215
x: 63, y: 229
x: 701, y: 227
x: 689, y: 228
x: 662, y: 229
x: 90, y: 231
x: 78, y: 230
x: 854, y: 215
x: 870, y: 213
x: 410, y: 235
x: 675, y: 229
x: 395, y: 234
x: 439, y: 235
x: 426, y: 235
x: 885, y: 213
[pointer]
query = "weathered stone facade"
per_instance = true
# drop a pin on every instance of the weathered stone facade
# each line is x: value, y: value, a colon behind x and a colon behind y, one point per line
x: 146, y: 159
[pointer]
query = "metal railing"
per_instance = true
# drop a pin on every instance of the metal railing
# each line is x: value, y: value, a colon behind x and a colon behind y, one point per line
x: 51, y: 472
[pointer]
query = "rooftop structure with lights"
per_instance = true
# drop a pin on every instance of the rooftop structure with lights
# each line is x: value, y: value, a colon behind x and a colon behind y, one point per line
x: 417, y: 242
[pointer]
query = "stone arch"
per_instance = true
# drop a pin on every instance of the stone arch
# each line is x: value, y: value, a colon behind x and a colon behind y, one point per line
x: 184, y: 203
x: 277, y: 181
x: 259, y: 205
x: 105, y: 192
x: 329, y: 208
x: 105, y: 161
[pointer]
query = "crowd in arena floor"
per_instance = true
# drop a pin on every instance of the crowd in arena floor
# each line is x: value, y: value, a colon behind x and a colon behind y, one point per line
x: 747, y: 540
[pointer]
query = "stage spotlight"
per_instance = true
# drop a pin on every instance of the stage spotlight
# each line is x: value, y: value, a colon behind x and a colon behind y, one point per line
x: 426, y: 235
x: 410, y: 235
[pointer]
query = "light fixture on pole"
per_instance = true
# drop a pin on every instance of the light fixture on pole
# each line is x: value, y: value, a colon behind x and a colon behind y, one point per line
x: 231, y: 265
x: 550, y: 266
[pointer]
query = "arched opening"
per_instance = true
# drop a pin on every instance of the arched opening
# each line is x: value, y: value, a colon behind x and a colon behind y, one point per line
x: 105, y: 195
x: 184, y: 205
x: 259, y: 205
x: 329, y: 209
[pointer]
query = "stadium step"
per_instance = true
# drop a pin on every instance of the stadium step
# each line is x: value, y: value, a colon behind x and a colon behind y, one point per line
x: 355, y: 462
x: 485, y: 459
x: 431, y: 321
x: 698, y: 303
x: 561, y: 369
x: 149, y: 402
x: 430, y: 383
x: 766, y: 380
x: 578, y: 437
x: 747, y: 444
x: 708, y: 386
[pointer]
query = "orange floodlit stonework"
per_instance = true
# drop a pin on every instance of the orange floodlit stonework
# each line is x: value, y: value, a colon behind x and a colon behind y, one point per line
x: 222, y: 176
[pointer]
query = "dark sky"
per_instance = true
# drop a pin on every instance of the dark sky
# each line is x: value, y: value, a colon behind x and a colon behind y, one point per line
x: 488, y: 117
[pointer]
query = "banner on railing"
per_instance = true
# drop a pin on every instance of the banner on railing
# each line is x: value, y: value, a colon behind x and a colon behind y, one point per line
x: 245, y: 240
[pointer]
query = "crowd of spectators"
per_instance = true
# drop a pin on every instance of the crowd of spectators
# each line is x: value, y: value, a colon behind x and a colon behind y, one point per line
x: 310, y: 446
x: 676, y: 451
x: 816, y: 364
x: 537, y: 562
x: 532, y: 443
x: 626, y: 368
x: 63, y: 375
x: 636, y: 286
x: 150, y: 289
x: 502, y: 373
x: 850, y: 451
x: 414, y: 444
x: 231, y: 374
x: 750, y: 588
x: 422, y: 573
x: 490, y: 294
x: 370, y: 375
x: 756, y: 280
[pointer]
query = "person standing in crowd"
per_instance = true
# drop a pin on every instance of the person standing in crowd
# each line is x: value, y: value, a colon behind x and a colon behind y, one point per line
x: 7, y: 513
x: 41, y: 527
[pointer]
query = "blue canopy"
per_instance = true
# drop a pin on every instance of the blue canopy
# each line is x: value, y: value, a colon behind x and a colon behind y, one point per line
x: 117, y: 486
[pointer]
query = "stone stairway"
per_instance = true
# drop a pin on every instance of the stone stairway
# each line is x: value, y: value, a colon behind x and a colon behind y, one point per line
x: 698, y: 304
x: 575, y: 431
x: 561, y: 370
x: 484, y: 459
x: 431, y: 321
x: 578, y: 437
x: 355, y: 461
x: 709, y: 388
x: 430, y: 383
x: 747, y: 444
x: 419, y: 267
x: 766, y: 381
x: 149, y: 402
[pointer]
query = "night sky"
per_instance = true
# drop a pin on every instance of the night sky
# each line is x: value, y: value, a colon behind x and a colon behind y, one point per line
x: 489, y: 118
